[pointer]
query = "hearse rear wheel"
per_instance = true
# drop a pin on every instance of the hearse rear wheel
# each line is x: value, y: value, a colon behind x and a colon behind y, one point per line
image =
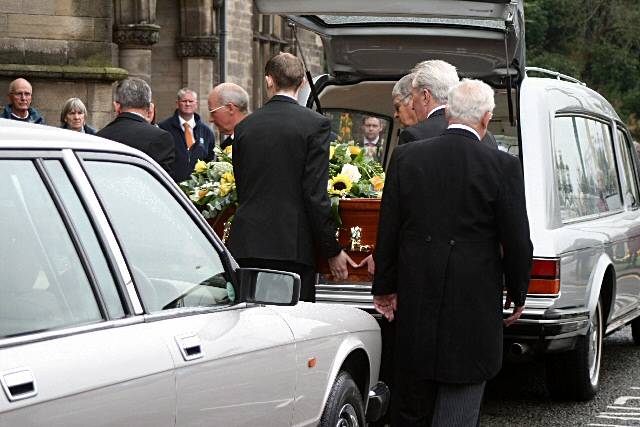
x: 575, y: 375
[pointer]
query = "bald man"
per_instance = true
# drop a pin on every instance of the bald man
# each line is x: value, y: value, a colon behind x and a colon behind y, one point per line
x: 19, y: 106
x: 228, y: 105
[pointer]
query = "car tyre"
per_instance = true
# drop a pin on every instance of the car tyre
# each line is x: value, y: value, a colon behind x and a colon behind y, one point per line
x: 635, y: 330
x: 575, y: 375
x: 344, y: 407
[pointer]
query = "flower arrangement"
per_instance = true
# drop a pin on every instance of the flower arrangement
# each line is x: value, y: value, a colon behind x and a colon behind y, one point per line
x: 212, y: 187
x: 352, y: 175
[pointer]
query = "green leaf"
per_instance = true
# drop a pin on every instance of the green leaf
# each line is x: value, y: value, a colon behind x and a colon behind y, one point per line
x: 335, y: 204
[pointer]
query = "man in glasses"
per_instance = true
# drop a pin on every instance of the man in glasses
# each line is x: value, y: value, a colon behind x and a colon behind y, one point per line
x: 194, y: 140
x: 228, y: 106
x: 19, y: 106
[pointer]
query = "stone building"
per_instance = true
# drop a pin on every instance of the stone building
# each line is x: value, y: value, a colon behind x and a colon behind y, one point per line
x: 81, y: 48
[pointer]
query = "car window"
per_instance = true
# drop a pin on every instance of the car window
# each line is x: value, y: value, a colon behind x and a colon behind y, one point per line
x: 366, y: 130
x: 172, y: 262
x: 585, y: 169
x: 631, y: 186
x: 90, y: 241
x: 44, y: 285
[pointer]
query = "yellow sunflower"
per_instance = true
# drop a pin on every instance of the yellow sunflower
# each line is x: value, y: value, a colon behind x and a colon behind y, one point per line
x: 339, y: 185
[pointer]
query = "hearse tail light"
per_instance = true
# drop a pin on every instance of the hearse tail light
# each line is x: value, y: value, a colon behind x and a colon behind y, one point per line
x: 545, y: 276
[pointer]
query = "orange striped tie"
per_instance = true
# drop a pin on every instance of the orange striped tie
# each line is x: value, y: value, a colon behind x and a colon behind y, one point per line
x: 188, y: 135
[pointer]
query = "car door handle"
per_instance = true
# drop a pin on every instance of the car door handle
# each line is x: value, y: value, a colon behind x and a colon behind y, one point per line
x: 18, y: 384
x: 189, y: 345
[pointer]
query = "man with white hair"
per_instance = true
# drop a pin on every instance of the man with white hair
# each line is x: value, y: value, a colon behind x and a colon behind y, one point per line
x: 430, y: 87
x: 453, y: 233
x: 228, y: 106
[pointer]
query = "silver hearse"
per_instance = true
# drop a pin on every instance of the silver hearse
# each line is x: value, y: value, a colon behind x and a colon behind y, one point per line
x: 581, y: 171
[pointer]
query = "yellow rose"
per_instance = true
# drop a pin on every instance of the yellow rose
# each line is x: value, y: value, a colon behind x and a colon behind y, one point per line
x: 354, y: 150
x: 202, y: 193
x: 332, y: 151
x: 377, y: 182
x: 227, y: 150
x: 225, y: 188
x: 228, y: 177
x: 201, y: 166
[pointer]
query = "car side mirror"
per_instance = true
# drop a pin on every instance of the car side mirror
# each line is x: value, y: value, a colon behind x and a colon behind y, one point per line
x: 270, y: 287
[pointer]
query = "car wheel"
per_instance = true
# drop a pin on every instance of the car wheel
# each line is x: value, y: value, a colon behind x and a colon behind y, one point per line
x: 344, y: 406
x: 575, y: 375
x: 635, y: 330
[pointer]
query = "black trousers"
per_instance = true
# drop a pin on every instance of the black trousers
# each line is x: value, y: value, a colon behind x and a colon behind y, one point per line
x: 307, y: 273
x: 425, y: 403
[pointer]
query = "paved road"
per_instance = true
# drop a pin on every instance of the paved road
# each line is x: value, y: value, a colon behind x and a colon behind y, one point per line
x: 517, y: 397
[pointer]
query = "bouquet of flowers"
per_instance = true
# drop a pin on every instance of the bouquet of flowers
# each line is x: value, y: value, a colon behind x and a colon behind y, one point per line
x: 352, y: 175
x: 212, y: 187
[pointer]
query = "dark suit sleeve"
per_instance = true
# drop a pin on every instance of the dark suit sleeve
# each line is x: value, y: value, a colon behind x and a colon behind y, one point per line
x: 314, y: 187
x: 386, y: 251
x: 405, y: 136
x: 163, y: 151
x: 513, y: 226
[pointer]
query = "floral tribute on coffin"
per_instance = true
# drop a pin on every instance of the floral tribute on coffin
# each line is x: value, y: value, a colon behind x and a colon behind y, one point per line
x: 355, y: 187
x: 212, y: 188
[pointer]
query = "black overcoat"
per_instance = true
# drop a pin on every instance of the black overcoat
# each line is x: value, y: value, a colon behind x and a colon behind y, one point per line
x: 448, y: 206
x: 281, y: 167
x: 133, y: 130
x: 434, y: 126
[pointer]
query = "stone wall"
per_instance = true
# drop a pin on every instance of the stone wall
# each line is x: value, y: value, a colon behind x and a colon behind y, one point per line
x: 240, y: 43
x: 63, y: 47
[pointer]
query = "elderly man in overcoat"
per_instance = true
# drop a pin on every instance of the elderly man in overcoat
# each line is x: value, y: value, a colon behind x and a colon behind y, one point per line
x: 453, y: 233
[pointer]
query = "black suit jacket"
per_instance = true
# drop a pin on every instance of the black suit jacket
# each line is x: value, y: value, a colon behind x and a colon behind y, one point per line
x: 448, y: 208
x: 132, y: 130
x: 281, y: 161
x: 435, y: 125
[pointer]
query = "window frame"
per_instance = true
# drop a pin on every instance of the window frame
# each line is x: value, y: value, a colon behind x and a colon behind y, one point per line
x: 189, y: 209
x: 610, y: 123
x: 628, y: 141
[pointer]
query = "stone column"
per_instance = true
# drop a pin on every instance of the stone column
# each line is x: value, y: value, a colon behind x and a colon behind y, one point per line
x: 135, y: 31
x: 197, y: 46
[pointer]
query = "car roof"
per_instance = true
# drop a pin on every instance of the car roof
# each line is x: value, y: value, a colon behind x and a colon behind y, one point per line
x: 21, y: 135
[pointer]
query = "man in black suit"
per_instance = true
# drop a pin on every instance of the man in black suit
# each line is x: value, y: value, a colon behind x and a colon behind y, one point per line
x: 132, y: 105
x: 453, y: 232
x: 431, y: 84
x: 228, y: 106
x: 281, y: 166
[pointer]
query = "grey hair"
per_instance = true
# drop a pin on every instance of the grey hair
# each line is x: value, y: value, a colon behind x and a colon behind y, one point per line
x: 402, y: 88
x: 437, y: 76
x: 72, y: 104
x: 185, y: 90
x: 234, y: 94
x: 469, y: 100
x: 133, y: 93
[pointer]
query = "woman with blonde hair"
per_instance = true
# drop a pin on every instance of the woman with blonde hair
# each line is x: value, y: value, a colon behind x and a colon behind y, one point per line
x: 74, y: 116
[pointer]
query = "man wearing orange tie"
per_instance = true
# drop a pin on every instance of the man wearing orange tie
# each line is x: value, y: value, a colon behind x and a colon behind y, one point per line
x: 193, y: 138
x: 372, y: 142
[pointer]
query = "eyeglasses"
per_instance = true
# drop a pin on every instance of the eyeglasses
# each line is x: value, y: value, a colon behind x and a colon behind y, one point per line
x: 22, y: 94
x: 216, y: 109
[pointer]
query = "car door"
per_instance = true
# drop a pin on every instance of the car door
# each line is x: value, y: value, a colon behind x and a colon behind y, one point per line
x: 235, y: 364
x: 72, y: 352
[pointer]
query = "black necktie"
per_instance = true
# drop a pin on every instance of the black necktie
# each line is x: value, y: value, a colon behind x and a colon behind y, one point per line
x: 227, y: 142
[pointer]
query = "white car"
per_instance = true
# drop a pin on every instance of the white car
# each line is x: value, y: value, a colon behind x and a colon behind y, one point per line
x: 580, y: 167
x: 120, y: 306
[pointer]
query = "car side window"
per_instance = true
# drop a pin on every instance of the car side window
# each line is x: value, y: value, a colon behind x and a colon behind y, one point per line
x: 631, y: 185
x: 586, y: 175
x: 44, y: 285
x: 172, y: 262
x: 90, y: 242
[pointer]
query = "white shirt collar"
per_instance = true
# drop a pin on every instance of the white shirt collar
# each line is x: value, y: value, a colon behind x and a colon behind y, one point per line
x: 465, y: 127
x: 374, y: 142
x: 137, y: 114
x: 439, y: 107
x: 287, y: 95
x: 192, y: 122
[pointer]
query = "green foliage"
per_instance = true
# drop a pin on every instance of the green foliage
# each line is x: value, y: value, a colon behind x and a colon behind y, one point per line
x: 596, y: 41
